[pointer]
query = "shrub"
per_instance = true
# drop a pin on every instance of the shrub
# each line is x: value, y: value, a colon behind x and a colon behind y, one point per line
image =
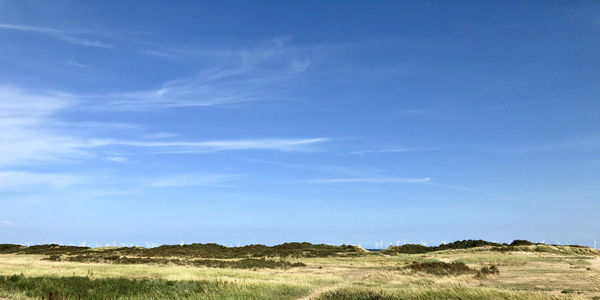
x: 10, y: 248
x: 407, y: 249
x: 416, y: 249
x: 484, y: 271
x: 521, y: 243
x: 246, y: 263
x: 441, y: 268
x: 54, y: 257
x: 194, y: 250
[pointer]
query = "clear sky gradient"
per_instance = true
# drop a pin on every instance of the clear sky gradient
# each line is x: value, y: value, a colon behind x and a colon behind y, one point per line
x: 354, y: 122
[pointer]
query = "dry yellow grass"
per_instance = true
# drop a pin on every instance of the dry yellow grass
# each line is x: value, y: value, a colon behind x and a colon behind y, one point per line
x: 536, y: 273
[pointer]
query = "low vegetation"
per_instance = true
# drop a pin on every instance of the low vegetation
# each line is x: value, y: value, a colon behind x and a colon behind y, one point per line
x: 486, y: 271
x: 292, y: 250
x: 470, y: 269
x: 296, y: 250
x: 441, y: 268
x: 416, y: 249
x: 516, y: 245
x: 456, y: 293
x: 123, y: 288
x: 246, y: 263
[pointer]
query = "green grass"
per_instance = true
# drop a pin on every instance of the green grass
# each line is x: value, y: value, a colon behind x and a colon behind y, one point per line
x: 457, y: 293
x: 441, y: 268
x: 180, y: 272
x: 20, y: 287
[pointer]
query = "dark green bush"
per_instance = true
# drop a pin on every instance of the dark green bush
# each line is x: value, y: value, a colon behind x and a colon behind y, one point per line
x: 415, y: 248
x: 194, y: 251
x: 10, y: 248
x: 485, y: 271
x: 521, y: 243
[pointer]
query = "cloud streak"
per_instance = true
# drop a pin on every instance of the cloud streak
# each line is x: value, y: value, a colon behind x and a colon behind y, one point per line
x: 65, y: 35
x: 371, y: 180
x: 323, y: 168
x: 30, y: 135
x: 218, y: 145
x: 16, y: 179
x: 6, y: 223
x: 392, y: 150
x: 231, y: 77
x: 387, y: 180
x: 191, y: 180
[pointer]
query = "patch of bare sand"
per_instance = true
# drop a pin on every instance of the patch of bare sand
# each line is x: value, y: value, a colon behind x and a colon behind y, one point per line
x: 595, y: 263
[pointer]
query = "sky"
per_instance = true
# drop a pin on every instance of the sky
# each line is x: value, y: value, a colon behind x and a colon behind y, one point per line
x: 243, y: 122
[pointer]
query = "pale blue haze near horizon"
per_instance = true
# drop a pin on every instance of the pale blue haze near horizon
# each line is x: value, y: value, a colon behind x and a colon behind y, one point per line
x: 241, y: 122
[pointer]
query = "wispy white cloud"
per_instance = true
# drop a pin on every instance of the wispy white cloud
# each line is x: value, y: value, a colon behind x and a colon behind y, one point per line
x: 17, y: 103
x: 471, y: 109
x: 30, y: 134
x: 76, y: 64
x: 219, y: 145
x: 233, y: 76
x: 216, y: 180
x: 15, y: 179
x: 387, y: 180
x: 160, y: 135
x: 118, y: 159
x: 181, y: 93
x: 73, y: 37
x: 27, y: 134
x: 325, y: 168
x: 452, y: 186
x: 371, y: 180
x: 393, y: 150
x: 6, y: 223
x: 27, y: 28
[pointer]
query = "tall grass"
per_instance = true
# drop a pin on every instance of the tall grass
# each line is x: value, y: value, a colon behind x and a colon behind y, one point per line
x: 456, y: 293
x: 19, y: 286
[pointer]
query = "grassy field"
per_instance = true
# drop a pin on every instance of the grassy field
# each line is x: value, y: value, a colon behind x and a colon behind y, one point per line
x: 518, y: 272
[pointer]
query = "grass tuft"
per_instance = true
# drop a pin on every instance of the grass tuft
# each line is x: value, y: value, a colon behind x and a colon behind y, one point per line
x: 455, y: 293
x: 123, y: 288
x: 441, y: 268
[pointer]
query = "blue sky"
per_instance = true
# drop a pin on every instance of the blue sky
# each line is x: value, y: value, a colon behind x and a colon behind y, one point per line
x: 354, y: 122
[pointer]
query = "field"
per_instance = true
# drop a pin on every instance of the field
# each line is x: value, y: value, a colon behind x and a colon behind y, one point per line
x: 301, y: 271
